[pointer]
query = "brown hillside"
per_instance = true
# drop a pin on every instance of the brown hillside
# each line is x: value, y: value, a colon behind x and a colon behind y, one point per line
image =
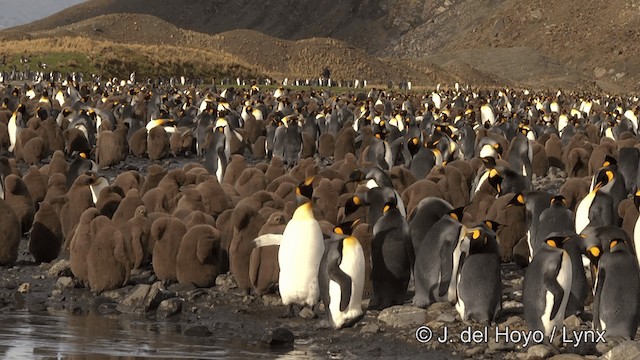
x: 540, y: 43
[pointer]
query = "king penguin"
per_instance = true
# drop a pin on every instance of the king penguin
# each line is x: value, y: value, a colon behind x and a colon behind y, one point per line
x: 616, y: 292
x: 341, y: 275
x: 300, y: 253
x: 547, y: 285
x: 479, y: 282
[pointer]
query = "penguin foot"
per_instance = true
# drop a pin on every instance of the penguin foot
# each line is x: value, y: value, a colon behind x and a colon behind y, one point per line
x: 289, y: 313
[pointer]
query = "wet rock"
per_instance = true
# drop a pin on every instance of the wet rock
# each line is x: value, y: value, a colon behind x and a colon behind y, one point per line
x: 115, y: 295
x: 169, y: 307
x: 108, y: 308
x: 307, y: 313
x: 277, y: 336
x: 627, y: 350
x: 474, y: 352
x: 403, y: 316
x: 60, y: 268
x: 511, y: 305
x: 64, y: 282
x: 144, y: 298
x: 439, y: 306
x: 567, y: 357
x: 446, y: 318
x: 24, y: 288
x: 573, y: 322
x: 371, y: 328
x: 197, y: 331
x: 226, y: 282
x: 271, y: 300
x: 539, y: 352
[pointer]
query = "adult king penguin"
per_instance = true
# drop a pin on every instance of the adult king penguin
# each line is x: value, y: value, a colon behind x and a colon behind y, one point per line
x: 300, y: 253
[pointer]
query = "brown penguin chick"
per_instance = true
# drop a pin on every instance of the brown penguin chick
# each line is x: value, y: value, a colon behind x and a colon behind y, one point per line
x: 10, y: 235
x: 262, y: 199
x: 108, y: 266
x: 308, y: 146
x: 326, y: 198
x: 36, y: 183
x: 509, y: 211
x: 246, y: 222
x: 45, y: 237
x: 127, y: 207
x: 452, y: 183
x: 258, y: 148
x: 413, y: 194
x: 56, y: 186
x: 107, y: 152
x: 155, y: 200
x: 199, y: 218
x: 198, y: 258
x: 79, y: 199
x: 214, y: 199
x: 136, y: 232
x: 223, y: 224
x: 22, y: 138
x: 466, y: 169
x: 287, y: 191
x: 263, y: 262
x: 180, y: 141
x: 346, y: 140
x: 553, y: 148
x: 401, y: 177
x: 171, y: 184
x: 155, y: 173
x: 250, y: 181
x: 17, y: 196
x: 286, y: 178
x: 540, y: 163
x: 108, y: 200
x: 628, y: 212
x: 262, y: 166
x: 190, y: 200
x: 158, y: 143
x: 34, y: 150
x: 234, y: 169
x: 275, y: 169
x: 58, y: 165
x: 192, y: 174
x: 574, y: 190
x: 128, y: 180
x: 75, y: 140
x: 80, y: 243
x: 607, y: 147
x: 577, y: 163
x: 166, y: 235
x: 5, y: 142
x: 121, y: 138
x: 138, y: 143
x: 326, y: 145
x: 54, y: 137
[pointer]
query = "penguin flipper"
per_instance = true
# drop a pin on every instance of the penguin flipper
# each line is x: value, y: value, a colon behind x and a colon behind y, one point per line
x: 551, y: 282
x: 339, y: 276
x: 446, y: 268
x: 267, y: 240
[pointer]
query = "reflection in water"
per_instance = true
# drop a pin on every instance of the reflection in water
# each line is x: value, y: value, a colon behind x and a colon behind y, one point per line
x: 25, y: 335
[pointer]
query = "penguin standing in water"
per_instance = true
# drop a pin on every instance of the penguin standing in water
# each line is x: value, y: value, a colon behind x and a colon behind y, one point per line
x: 437, y: 260
x: 547, y: 285
x: 479, y: 281
x: 616, y: 292
x: 341, y: 277
x: 301, y: 250
x: 391, y: 258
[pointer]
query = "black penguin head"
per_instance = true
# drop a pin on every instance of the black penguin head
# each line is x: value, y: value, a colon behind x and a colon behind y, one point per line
x: 618, y: 245
x: 556, y: 241
x: 609, y: 161
x: 489, y: 162
x: 636, y: 198
x: 603, y: 177
x: 391, y: 204
x: 495, y: 180
x: 558, y: 200
x: 594, y: 253
x: 304, y: 191
x: 353, y: 204
x: 413, y: 145
x: 516, y: 200
x: 356, y: 175
x: 346, y: 228
x: 482, y: 238
x: 456, y: 214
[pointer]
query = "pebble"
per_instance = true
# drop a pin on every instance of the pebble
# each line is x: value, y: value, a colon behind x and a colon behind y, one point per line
x: 307, y: 313
x: 60, y: 268
x: 169, y: 307
x: 278, y: 336
x: 271, y: 300
x: 627, y: 350
x: 446, y: 318
x: 400, y: 316
x: 64, y: 282
x: 371, y: 328
x: 539, y: 352
x: 573, y: 322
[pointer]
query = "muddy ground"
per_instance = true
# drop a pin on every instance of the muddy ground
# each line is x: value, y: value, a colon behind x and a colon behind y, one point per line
x: 226, y: 312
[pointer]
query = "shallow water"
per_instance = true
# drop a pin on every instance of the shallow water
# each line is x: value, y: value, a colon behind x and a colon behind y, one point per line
x: 25, y: 335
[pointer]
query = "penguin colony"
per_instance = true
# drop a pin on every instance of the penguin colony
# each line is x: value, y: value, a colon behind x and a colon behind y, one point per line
x: 330, y: 197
